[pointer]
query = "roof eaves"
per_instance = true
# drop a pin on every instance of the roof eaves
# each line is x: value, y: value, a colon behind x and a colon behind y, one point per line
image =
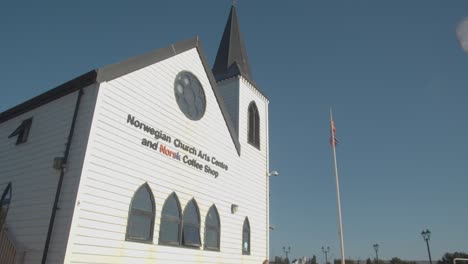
x: 228, y: 75
x: 113, y: 71
x: 51, y: 95
x: 100, y: 75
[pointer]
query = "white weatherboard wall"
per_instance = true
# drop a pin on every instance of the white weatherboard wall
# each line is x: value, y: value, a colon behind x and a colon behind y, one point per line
x: 116, y: 164
x: 248, y: 94
x: 63, y: 218
x: 34, y: 181
x: 238, y: 93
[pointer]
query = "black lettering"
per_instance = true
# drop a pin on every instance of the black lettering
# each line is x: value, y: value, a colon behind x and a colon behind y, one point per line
x: 130, y: 119
x: 211, y: 171
x: 149, y: 144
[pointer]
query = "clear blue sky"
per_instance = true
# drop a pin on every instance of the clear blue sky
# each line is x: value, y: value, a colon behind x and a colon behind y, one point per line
x: 393, y: 72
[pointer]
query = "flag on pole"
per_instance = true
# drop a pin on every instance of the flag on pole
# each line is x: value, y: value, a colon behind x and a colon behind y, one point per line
x: 333, y: 140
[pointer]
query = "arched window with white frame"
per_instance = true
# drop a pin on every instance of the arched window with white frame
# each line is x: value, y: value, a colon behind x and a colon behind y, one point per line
x: 140, y: 223
x: 171, y: 220
x: 212, y: 229
x: 253, y: 129
x: 191, y: 225
x: 246, y: 237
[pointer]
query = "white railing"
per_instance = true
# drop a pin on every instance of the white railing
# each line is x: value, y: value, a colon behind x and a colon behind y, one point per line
x: 9, y: 252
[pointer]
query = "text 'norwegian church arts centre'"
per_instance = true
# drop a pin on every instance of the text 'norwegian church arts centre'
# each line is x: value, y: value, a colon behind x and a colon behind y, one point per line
x: 190, y: 158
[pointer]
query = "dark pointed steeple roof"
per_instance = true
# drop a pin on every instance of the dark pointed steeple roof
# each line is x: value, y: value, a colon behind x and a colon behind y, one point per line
x: 231, y: 59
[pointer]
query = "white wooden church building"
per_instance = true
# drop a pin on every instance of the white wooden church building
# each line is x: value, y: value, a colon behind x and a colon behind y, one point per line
x: 156, y: 159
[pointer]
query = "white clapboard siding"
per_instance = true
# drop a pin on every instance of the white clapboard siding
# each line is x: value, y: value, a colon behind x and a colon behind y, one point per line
x: 249, y: 93
x: 116, y: 165
x: 34, y: 181
x: 71, y: 180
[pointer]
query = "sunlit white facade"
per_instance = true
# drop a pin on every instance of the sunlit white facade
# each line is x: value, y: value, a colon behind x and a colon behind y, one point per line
x: 156, y: 159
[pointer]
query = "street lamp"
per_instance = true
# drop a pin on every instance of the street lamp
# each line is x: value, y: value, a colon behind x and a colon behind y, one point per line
x: 376, y: 248
x: 325, y: 251
x: 287, y: 251
x: 273, y: 173
x: 268, y: 196
x: 426, y: 234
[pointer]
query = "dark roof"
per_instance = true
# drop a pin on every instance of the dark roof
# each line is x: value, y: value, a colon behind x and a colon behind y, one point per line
x: 55, y: 93
x: 231, y: 59
x: 110, y: 72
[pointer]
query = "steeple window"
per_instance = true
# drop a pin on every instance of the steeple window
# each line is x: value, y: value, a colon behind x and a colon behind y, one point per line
x: 253, y: 126
x: 246, y: 237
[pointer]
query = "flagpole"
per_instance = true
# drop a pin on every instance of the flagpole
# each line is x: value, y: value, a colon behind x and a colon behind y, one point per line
x: 340, y: 232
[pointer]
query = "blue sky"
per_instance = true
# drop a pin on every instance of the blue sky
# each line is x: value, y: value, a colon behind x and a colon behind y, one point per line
x: 393, y: 71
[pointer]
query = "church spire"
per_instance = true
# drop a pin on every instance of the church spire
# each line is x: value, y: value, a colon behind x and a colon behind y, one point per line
x: 231, y: 59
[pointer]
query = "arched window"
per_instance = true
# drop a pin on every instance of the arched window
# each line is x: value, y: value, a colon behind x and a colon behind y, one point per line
x: 246, y: 237
x: 191, y: 225
x: 5, y: 204
x: 253, y: 126
x: 169, y: 230
x: 212, y: 229
x: 141, y: 216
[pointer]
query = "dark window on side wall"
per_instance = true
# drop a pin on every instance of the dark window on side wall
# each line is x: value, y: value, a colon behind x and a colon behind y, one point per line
x: 191, y: 225
x: 246, y: 237
x: 141, y: 216
x: 169, y: 230
x: 5, y: 204
x: 212, y: 229
x: 22, y: 132
x: 253, y: 126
